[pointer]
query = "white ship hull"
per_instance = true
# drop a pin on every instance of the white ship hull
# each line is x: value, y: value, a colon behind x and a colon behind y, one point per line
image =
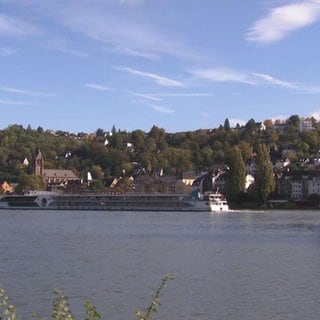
x: 216, y: 201
x: 219, y: 207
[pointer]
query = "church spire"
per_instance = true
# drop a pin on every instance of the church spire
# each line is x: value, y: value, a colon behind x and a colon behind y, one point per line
x: 38, y: 163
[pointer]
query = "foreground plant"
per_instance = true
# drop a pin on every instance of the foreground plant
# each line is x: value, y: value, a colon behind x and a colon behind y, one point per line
x: 9, y: 311
x: 91, y: 311
x: 155, y: 301
x: 61, y: 308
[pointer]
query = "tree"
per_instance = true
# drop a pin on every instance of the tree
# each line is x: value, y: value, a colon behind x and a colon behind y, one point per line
x: 268, y: 123
x: 97, y: 172
x: 250, y: 132
x: 264, y: 180
x: 227, y: 125
x: 97, y: 186
x: 294, y: 121
x: 236, y: 175
x: 113, y: 130
x: 206, y: 157
x: 246, y: 149
x: 156, y: 133
x: 251, y: 126
x: 100, y: 132
x: 30, y: 182
x: 138, y: 140
x: 40, y: 130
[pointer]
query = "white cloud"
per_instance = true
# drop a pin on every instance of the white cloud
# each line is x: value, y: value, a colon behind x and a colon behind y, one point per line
x: 15, y: 103
x: 98, y: 87
x: 253, y: 78
x: 159, y: 96
x: 298, y: 87
x: 147, y: 96
x: 25, y: 92
x: 309, y: 90
x: 132, y: 2
x: 283, y: 20
x: 10, y: 26
x: 182, y: 94
x: 316, y: 115
x: 271, y: 80
x: 224, y: 75
x: 163, y: 81
x: 136, y: 53
x: 112, y: 23
x: 104, y: 23
x: 234, y: 121
x: 162, y: 109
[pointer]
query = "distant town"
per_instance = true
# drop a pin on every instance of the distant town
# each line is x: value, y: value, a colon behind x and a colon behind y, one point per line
x: 117, y: 161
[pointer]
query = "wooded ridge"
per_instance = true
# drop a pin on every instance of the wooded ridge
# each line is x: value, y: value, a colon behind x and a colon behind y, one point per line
x: 120, y: 153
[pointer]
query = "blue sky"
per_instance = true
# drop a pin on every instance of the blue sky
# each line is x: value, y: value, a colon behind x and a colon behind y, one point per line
x: 80, y: 65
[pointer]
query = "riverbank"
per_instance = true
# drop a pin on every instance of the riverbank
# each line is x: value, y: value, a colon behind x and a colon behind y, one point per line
x: 276, y: 205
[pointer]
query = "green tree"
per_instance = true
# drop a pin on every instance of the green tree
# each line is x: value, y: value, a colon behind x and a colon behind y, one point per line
x: 236, y: 175
x: 206, y: 156
x: 30, y: 182
x: 97, y: 186
x: 251, y: 126
x: 100, y: 132
x: 97, y: 172
x: 294, y: 121
x: 250, y: 132
x: 138, y: 140
x: 264, y: 180
x: 227, y: 125
x: 157, y: 133
x: 246, y: 149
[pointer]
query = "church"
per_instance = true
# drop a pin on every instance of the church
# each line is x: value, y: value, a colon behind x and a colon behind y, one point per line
x: 53, y: 177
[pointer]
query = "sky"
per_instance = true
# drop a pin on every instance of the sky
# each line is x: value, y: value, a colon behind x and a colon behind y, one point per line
x: 181, y: 65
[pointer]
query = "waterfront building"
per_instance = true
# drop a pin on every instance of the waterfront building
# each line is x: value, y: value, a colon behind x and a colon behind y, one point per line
x: 298, y: 185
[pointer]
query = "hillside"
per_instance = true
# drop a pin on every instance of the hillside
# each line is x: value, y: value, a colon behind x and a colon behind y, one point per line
x: 117, y: 153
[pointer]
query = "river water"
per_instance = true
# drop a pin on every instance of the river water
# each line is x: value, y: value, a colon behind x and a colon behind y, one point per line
x: 237, y: 265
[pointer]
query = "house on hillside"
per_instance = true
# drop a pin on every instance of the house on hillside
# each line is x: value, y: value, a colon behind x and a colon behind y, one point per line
x: 53, y: 177
x: 188, y: 177
x: 281, y: 164
x: 6, y: 187
x: 299, y: 185
x: 25, y: 162
x: 305, y: 124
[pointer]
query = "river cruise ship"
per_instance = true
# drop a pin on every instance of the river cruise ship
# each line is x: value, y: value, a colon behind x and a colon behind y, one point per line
x: 120, y: 202
x: 202, y: 198
x: 128, y: 202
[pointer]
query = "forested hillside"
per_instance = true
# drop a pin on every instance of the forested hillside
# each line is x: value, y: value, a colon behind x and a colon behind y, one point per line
x: 117, y: 152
